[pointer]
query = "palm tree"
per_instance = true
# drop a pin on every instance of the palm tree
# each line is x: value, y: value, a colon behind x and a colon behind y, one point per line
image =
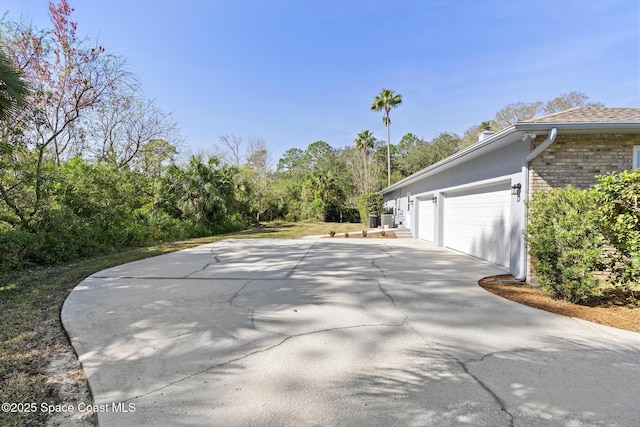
x: 386, y: 101
x: 203, y: 191
x: 486, y: 125
x: 13, y: 89
x: 365, y: 142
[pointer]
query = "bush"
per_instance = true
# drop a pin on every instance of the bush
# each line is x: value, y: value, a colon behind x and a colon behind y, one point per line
x: 618, y: 204
x: 370, y: 204
x: 350, y: 215
x: 15, y: 249
x: 564, y: 242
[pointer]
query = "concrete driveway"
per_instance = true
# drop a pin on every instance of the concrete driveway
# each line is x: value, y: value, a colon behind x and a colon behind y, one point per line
x: 344, y: 332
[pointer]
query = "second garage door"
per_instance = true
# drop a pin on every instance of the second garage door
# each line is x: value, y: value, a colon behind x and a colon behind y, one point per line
x: 426, y: 216
x: 477, y: 222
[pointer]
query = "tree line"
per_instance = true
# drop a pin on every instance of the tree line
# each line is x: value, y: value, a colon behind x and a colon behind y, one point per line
x: 89, y: 165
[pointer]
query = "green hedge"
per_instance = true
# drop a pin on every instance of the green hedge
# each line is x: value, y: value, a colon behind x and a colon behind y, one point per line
x: 618, y: 199
x: 370, y: 204
x: 565, y: 242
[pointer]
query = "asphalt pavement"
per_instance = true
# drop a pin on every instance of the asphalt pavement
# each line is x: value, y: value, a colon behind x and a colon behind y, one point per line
x: 338, y: 332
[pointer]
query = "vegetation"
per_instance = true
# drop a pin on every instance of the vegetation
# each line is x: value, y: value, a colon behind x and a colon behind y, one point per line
x: 413, y: 154
x: 30, y: 304
x: 619, y: 216
x: 370, y: 204
x: 91, y: 173
x: 520, y: 111
x: 575, y: 234
x: 564, y: 242
x: 88, y: 165
x: 13, y: 89
x: 385, y: 101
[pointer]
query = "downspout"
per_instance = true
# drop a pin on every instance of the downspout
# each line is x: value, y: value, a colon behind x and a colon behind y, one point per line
x: 525, y: 169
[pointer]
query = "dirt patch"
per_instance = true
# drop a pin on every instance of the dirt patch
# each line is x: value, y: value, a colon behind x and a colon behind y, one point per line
x: 611, y: 309
x: 68, y: 378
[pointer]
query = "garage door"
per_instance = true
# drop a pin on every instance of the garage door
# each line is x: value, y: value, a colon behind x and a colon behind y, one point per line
x: 426, y: 209
x: 477, y: 222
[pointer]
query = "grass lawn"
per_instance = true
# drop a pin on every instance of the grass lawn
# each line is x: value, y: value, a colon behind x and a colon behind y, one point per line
x: 32, y: 336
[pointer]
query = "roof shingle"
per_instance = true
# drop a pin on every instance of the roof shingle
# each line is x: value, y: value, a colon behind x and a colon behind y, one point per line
x: 590, y: 115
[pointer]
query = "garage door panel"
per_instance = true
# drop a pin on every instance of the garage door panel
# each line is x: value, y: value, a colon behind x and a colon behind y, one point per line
x: 479, y: 224
x: 426, y: 217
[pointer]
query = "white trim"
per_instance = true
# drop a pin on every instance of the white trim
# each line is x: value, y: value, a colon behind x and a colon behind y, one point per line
x: 510, y: 135
x: 463, y: 156
x: 468, y: 186
x: 477, y: 184
x: 636, y: 156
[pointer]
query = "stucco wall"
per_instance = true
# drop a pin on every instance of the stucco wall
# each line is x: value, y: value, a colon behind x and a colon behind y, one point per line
x: 501, y: 162
x: 578, y: 159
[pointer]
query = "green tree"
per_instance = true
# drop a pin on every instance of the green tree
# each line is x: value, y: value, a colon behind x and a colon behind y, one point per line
x: 408, y: 154
x: 290, y: 174
x: 487, y: 124
x: 203, y: 191
x: 443, y: 145
x: 67, y: 80
x: 291, y: 161
x: 414, y: 154
x: 385, y: 101
x: 13, y: 89
x: 258, y: 172
x: 370, y: 204
x: 364, y: 143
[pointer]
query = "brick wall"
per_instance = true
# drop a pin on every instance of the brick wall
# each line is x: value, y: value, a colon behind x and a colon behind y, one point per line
x: 578, y: 159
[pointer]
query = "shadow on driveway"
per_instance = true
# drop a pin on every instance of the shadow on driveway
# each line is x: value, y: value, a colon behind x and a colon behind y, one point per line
x: 349, y: 332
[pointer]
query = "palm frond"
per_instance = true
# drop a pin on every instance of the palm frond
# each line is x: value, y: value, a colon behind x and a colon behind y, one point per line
x: 13, y: 89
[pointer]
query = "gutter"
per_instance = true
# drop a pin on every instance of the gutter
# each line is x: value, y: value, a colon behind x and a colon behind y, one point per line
x: 467, y: 151
x: 553, y: 133
x: 595, y: 127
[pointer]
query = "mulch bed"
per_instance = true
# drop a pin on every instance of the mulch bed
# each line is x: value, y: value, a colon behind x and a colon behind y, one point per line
x: 388, y: 235
x: 611, y: 309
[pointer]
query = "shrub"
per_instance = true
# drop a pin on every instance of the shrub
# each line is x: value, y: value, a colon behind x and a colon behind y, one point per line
x: 350, y: 215
x: 16, y: 247
x: 370, y: 204
x: 618, y: 204
x: 564, y: 242
x: 364, y: 233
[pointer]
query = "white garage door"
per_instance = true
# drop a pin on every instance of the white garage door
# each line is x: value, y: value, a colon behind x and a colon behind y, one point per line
x: 478, y: 223
x: 425, y: 218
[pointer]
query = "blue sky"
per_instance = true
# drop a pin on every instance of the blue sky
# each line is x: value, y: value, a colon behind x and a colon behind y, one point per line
x: 297, y: 71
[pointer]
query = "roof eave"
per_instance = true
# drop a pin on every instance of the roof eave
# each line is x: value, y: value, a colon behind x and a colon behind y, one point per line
x: 488, y: 144
x: 471, y: 152
x: 632, y: 127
